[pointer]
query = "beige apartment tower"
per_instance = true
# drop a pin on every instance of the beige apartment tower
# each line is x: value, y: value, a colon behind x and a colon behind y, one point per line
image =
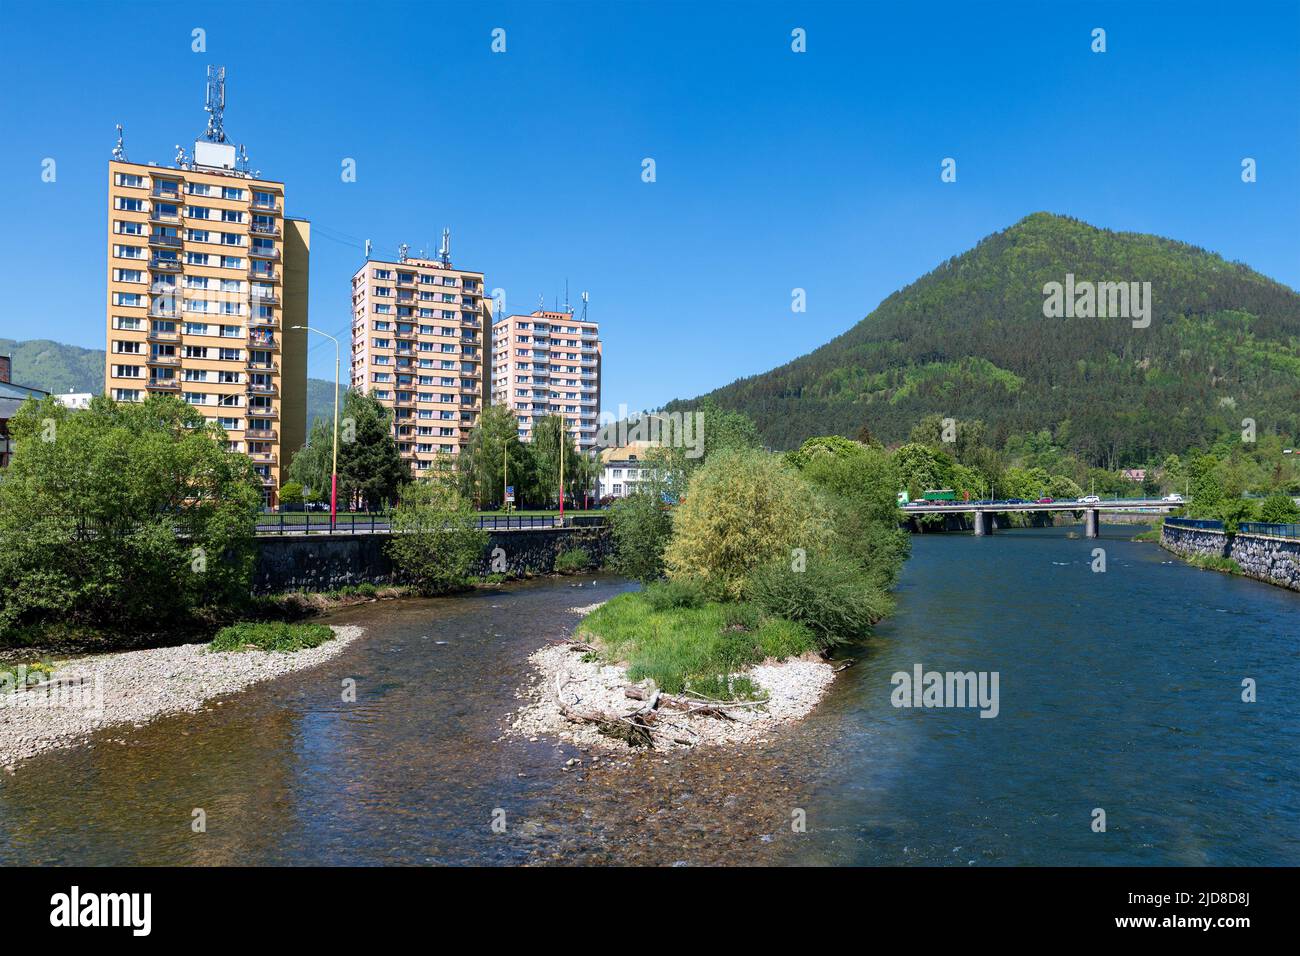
x: 548, y: 363
x: 205, y: 277
x: 420, y: 332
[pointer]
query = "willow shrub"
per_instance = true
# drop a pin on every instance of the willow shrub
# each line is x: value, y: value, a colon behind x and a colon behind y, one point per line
x: 122, y: 519
x: 742, y: 508
x: 828, y: 593
x: 436, y: 539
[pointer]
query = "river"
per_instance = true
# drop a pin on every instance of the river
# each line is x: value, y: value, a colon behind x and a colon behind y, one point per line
x: 1119, y: 691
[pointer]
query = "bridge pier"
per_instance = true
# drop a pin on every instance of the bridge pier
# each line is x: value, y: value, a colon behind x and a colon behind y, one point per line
x: 984, y: 522
x: 1091, y: 522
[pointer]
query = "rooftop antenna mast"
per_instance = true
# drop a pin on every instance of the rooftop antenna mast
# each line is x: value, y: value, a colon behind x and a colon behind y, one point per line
x: 119, y: 151
x: 444, y: 252
x: 585, y: 297
x: 567, y: 308
x: 215, y: 104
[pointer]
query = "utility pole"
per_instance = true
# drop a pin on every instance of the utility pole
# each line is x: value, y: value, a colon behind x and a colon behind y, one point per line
x: 334, y: 468
x: 505, y: 448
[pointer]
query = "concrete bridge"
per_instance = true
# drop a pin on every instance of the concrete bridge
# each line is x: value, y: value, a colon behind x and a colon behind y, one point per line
x: 983, y: 511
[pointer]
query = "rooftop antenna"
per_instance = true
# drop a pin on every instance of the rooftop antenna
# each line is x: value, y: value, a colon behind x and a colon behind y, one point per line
x: 367, y: 248
x: 444, y: 253
x: 567, y: 308
x: 242, y: 165
x: 585, y: 297
x: 182, y: 158
x: 119, y: 151
x: 215, y: 104
x: 402, y: 250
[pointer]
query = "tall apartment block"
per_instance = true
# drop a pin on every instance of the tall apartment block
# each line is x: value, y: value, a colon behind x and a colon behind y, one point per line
x: 548, y: 363
x: 420, y: 330
x: 205, y: 277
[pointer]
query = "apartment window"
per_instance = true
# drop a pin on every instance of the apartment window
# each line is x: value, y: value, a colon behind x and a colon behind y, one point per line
x: 126, y: 394
x: 124, y: 228
x: 198, y: 235
x: 128, y: 298
x: 385, y: 274
x: 234, y: 262
x: 231, y: 215
x: 128, y: 275
x: 231, y: 239
x: 128, y: 348
x: 198, y: 189
x: 196, y: 258
x: 232, y: 192
x: 196, y: 398
x: 129, y: 252
x: 198, y: 212
x: 126, y: 371
x: 128, y: 179
x: 127, y: 322
x: 128, y: 205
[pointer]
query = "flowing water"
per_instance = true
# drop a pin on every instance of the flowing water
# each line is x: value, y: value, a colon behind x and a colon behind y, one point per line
x: 1118, y: 691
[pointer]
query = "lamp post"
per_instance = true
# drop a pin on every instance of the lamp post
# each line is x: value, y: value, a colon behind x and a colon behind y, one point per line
x: 334, y: 467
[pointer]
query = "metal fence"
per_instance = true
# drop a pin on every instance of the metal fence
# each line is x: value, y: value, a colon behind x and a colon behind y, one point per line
x: 309, y: 522
x: 1275, y: 530
x: 1203, y: 523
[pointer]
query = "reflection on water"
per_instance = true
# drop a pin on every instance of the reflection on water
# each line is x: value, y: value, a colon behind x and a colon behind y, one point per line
x: 1118, y: 690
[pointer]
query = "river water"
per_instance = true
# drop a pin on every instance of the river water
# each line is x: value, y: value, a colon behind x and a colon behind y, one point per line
x: 1119, y: 691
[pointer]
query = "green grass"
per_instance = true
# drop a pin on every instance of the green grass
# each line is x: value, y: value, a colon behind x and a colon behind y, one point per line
x: 692, y: 648
x: 270, y: 636
x: 572, y: 561
x: 1209, y: 562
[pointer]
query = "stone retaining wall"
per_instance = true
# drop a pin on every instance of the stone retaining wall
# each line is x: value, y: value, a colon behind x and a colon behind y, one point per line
x: 1262, y: 557
x: 326, y: 562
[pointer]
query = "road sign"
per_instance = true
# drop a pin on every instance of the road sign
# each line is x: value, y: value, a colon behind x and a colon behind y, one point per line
x: 510, y: 494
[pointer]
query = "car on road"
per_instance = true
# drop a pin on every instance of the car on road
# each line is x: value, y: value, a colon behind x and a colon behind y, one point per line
x: 1089, y: 500
x: 1174, y: 498
x: 1046, y: 501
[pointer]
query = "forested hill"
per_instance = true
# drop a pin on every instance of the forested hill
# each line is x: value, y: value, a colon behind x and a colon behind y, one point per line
x: 970, y: 341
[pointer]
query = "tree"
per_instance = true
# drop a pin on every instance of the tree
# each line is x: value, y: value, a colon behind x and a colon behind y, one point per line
x: 125, y: 518
x: 371, y: 469
x: 580, y: 468
x: 1279, y: 509
x: 291, y: 495
x: 436, y: 539
x: 310, y: 466
x: 743, y: 507
x: 494, y: 447
x: 641, y: 526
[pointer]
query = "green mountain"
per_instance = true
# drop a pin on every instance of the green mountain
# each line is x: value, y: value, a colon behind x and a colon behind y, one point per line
x: 55, y: 367
x: 970, y: 340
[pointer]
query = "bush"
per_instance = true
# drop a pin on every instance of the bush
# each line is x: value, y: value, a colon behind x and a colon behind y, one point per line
x: 742, y: 617
x: 640, y: 526
x: 291, y: 496
x: 743, y: 507
x: 1279, y: 509
x: 572, y: 561
x: 832, y: 597
x: 436, y: 539
x: 682, y: 592
x: 122, y: 519
x: 270, y: 636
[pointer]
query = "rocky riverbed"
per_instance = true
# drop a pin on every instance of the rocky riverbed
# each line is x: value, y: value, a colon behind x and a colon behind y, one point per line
x: 132, y: 688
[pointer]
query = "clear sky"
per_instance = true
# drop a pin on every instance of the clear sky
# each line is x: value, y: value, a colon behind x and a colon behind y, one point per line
x: 775, y: 169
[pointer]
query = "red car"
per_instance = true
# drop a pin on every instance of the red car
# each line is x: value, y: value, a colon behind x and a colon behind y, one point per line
x: 1045, y: 501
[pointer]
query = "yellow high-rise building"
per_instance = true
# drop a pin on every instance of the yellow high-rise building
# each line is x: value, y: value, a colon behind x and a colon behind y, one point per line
x: 206, y: 275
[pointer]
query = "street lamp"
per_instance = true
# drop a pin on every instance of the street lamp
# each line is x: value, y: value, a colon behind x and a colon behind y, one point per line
x: 334, y: 468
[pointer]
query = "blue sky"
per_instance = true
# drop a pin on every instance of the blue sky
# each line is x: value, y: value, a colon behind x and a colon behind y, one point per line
x: 775, y: 170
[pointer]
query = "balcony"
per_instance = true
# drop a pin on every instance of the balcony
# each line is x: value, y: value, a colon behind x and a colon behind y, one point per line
x: 264, y: 252
x: 164, y: 384
x: 168, y: 192
x: 264, y: 229
x: 163, y: 360
x: 158, y: 335
x: 261, y: 340
x: 162, y: 312
x: 168, y: 242
x: 265, y: 273
x: 260, y: 433
x: 165, y: 217
x: 265, y: 298
x: 257, y: 411
x: 255, y: 389
x: 264, y: 457
x: 165, y: 265
x: 271, y: 206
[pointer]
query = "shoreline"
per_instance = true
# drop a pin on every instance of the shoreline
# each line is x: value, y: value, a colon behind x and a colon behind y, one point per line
x: 132, y: 688
x: 580, y: 701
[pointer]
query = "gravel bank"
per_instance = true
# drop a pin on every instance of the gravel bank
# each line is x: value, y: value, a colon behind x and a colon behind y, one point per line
x: 793, y: 688
x: 136, y: 686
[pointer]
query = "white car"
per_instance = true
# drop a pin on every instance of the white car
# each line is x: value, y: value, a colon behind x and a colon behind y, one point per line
x: 1175, y: 498
x: 1090, y: 500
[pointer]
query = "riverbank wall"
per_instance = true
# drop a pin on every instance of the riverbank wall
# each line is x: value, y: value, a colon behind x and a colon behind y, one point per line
x: 327, y: 562
x: 1273, y: 560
